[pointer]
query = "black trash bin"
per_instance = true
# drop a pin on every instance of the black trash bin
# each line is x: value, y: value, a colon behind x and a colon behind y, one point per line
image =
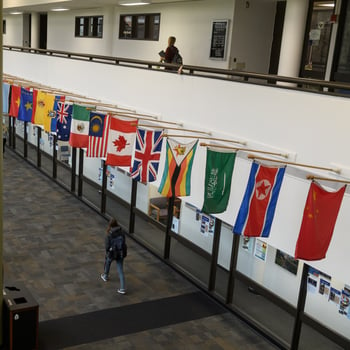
x: 20, y: 318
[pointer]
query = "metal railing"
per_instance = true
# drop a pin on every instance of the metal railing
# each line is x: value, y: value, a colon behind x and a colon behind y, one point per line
x: 303, y: 84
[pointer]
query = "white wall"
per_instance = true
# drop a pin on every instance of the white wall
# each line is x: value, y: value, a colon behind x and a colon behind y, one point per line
x: 14, y: 32
x: 253, y: 34
x: 249, y: 32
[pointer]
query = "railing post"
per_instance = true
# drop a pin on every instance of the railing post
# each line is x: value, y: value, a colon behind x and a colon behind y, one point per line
x: 25, y: 143
x: 104, y: 187
x: 132, y: 206
x: 214, y: 255
x: 80, y: 172
x: 54, y: 159
x: 171, y: 202
x: 233, y: 266
x: 74, y: 165
x: 38, y: 152
x: 300, y: 308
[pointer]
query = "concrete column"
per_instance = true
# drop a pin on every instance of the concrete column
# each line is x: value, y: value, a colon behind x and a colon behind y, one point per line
x: 293, y: 37
x: 35, y: 30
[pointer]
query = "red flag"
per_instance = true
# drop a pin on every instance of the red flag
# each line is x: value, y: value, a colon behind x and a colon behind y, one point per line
x: 121, y: 142
x: 320, y: 214
x: 15, y: 100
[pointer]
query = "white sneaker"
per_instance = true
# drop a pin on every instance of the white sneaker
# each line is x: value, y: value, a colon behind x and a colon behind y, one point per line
x: 121, y: 291
x: 104, y: 277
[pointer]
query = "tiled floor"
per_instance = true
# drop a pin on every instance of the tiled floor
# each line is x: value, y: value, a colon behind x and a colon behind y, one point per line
x: 53, y: 243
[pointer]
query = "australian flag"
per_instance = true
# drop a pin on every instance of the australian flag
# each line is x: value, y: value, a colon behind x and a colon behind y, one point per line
x: 147, y: 154
x: 64, y: 118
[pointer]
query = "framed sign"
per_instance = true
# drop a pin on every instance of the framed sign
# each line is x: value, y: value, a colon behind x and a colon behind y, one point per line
x: 219, y: 33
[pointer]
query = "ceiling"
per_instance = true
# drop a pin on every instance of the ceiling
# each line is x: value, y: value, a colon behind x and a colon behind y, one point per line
x: 47, y: 5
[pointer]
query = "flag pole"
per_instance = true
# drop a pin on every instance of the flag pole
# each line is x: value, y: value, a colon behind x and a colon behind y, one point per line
x: 189, y: 130
x: 312, y: 177
x: 161, y: 122
x: 251, y: 156
x: 285, y: 155
x: 204, y: 138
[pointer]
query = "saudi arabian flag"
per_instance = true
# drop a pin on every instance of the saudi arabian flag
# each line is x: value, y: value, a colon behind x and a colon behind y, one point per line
x: 218, y: 175
x: 79, y: 132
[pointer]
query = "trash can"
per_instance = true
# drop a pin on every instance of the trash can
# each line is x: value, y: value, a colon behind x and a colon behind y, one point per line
x: 20, y: 318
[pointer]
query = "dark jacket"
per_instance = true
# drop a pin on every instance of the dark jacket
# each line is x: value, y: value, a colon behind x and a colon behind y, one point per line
x: 114, y: 232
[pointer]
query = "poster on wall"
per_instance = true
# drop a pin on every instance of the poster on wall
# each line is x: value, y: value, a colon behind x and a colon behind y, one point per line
x: 218, y: 43
x: 260, y: 250
x: 207, y: 225
x: 334, y: 296
x: 312, y: 280
x: 248, y: 244
x: 325, y: 287
x: 345, y: 303
x: 286, y: 261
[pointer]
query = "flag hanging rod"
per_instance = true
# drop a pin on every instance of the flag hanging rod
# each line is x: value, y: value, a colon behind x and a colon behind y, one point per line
x: 188, y: 130
x: 131, y: 113
x: 312, y: 177
x: 157, y: 122
x: 204, y: 138
x: 245, y: 149
x: 337, y: 171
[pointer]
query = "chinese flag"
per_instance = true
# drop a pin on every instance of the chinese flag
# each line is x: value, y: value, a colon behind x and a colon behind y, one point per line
x: 320, y: 215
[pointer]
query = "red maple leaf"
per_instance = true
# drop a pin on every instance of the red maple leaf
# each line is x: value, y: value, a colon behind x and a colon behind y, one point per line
x: 120, y: 143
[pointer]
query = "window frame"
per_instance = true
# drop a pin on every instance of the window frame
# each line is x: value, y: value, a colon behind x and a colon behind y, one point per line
x: 89, y: 27
x: 139, y: 26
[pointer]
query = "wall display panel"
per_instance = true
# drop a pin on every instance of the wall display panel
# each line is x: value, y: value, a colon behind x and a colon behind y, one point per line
x: 93, y: 169
x: 121, y: 185
x: 263, y: 311
x: 261, y: 267
x: 328, y: 300
x: 225, y: 246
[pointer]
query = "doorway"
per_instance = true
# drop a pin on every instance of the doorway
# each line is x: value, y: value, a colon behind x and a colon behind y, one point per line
x: 43, y: 31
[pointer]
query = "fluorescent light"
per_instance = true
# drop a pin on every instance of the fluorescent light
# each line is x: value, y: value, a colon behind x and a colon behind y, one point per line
x: 134, y: 2
x: 16, y: 13
x: 59, y: 9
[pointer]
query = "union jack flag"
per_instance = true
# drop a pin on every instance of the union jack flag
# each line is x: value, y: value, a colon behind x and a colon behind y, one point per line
x: 147, y: 154
x: 64, y: 118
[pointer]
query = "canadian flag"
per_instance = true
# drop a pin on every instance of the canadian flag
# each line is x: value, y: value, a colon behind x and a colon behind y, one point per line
x: 121, y: 141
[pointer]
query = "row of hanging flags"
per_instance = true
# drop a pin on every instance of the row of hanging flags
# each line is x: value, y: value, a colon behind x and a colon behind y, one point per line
x: 121, y: 141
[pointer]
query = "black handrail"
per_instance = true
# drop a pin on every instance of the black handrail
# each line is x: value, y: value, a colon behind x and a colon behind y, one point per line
x: 304, y: 84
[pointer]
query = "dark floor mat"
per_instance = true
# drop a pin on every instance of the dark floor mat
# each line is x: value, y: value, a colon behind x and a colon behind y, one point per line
x: 110, y: 323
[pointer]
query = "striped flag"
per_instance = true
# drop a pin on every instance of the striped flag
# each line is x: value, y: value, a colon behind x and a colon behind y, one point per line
x: 98, y: 135
x: 121, y: 140
x: 257, y: 210
x: 79, y: 130
x: 176, y: 179
x: 147, y: 154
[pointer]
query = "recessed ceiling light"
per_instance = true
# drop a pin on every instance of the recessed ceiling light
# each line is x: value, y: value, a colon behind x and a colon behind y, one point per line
x: 134, y: 2
x: 16, y: 13
x: 59, y: 9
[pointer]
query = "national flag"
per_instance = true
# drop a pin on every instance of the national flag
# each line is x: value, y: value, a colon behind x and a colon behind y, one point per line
x: 5, y: 97
x: 79, y: 130
x: 35, y: 95
x: 176, y: 179
x: 257, y: 210
x: 121, y: 140
x: 148, y: 147
x: 98, y: 135
x: 64, y: 118
x: 218, y: 176
x: 320, y: 215
x: 26, y: 106
x: 44, y: 103
x: 50, y: 119
x: 15, y: 100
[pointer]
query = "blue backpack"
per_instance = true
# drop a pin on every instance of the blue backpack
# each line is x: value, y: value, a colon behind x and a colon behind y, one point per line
x: 118, y: 247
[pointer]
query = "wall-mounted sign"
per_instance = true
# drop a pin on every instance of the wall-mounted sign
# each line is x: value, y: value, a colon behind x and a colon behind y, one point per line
x: 219, y: 33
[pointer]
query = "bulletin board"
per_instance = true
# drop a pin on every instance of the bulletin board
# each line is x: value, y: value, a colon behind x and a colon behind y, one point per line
x: 218, y: 43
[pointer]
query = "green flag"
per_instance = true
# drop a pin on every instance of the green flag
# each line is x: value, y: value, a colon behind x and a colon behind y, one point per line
x: 218, y: 175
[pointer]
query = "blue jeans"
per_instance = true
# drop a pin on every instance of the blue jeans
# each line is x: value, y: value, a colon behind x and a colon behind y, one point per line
x: 120, y: 270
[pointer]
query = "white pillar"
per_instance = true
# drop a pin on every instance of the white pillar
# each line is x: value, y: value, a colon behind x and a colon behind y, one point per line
x: 35, y: 30
x: 293, y: 37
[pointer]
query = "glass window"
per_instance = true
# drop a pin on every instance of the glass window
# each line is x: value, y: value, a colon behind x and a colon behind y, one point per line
x: 139, y: 27
x: 89, y: 26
